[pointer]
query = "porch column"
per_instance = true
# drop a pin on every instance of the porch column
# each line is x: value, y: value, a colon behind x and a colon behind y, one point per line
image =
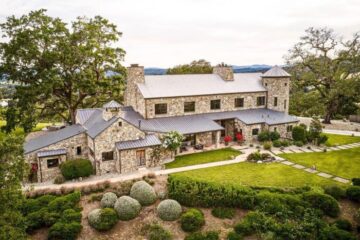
x: 217, y: 139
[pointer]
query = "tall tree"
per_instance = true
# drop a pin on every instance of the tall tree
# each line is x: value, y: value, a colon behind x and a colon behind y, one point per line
x: 195, y: 67
x: 59, y: 68
x: 12, y: 170
x: 323, y: 61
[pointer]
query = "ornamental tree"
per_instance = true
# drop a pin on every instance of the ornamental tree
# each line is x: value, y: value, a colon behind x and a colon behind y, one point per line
x: 172, y: 141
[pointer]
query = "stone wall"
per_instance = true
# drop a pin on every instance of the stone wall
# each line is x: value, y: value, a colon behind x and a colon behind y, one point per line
x: 129, y: 163
x: 132, y: 96
x: 277, y: 87
x: 46, y: 173
x: 226, y: 73
x: 204, y: 138
x: 281, y: 129
x: 202, y: 104
x: 247, y: 130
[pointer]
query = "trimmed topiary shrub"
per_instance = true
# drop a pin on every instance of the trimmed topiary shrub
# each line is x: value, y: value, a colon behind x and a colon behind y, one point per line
x: 156, y: 232
x: 353, y: 193
x: 108, y: 200
x: 274, y: 136
x: 234, y: 236
x: 127, y: 208
x: 192, y: 220
x: 143, y: 192
x: 102, y: 219
x: 223, y: 213
x: 277, y: 143
x: 335, y: 191
x: 324, y: 202
x: 76, y: 168
x: 343, y: 224
x: 211, y: 235
x: 169, y: 210
x: 299, y: 134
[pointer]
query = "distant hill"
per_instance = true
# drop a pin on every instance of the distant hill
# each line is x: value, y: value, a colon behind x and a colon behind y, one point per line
x: 237, y: 69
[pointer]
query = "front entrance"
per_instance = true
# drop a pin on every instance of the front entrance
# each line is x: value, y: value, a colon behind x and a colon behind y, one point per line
x: 140, y: 157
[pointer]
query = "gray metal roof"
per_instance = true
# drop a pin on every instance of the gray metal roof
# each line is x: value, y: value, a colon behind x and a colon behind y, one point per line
x: 276, y: 71
x: 53, y: 137
x: 49, y: 153
x: 148, y: 141
x: 82, y: 115
x: 112, y: 104
x: 157, y: 86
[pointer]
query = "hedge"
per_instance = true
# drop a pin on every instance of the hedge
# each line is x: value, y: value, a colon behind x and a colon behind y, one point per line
x: 324, y: 202
x: 353, y: 193
x: 76, y: 168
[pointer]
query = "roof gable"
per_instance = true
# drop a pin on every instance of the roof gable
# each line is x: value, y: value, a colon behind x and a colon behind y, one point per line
x: 276, y: 71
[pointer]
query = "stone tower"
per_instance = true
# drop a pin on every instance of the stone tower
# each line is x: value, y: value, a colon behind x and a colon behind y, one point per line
x: 277, y: 82
x: 132, y: 96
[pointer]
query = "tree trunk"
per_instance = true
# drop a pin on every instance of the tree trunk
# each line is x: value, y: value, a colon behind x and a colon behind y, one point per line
x: 72, y: 113
x: 327, y: 118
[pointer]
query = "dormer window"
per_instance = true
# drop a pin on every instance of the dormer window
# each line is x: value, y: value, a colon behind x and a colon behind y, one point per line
x: 120, y: 124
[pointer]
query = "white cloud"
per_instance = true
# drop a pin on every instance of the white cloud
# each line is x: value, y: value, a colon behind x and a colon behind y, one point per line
x: 164, y: 33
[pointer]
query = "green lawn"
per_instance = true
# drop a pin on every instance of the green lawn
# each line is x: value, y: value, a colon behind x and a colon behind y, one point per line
x: 343, y: 163
x: 38, y: 127
x: 335, y: 139
x: 203, y: 157
x: 261, y: 175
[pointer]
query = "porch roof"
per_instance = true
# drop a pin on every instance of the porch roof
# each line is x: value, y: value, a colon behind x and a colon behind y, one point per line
x: 149, y: 141
x: 50, y: 153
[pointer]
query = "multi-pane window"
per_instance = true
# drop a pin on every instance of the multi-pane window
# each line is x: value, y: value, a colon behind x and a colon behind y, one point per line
x: 275, y: 101
x: 161, y: 108
x: 54, y: 162
x: 260, y: 101
x: 215, y: 104
x: 107, y: 156
x: 78, y: 150
x: 189, y: 106
x: 255, y: 131
x: 289, y: 128
x: 239, y: 102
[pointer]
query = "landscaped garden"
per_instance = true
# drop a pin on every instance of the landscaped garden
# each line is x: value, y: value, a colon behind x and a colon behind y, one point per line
x: 343, y: 163
x: 203, y: 157
x: 336, y: 139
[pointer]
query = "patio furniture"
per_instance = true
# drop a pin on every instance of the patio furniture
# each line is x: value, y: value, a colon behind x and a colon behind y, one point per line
x: 199, y: 146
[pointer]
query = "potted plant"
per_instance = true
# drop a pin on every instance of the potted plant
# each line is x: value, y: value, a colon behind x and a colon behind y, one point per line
x: 239, y: 138
x: 227, y: 139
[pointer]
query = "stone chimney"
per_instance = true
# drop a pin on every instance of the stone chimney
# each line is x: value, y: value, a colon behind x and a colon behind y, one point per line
x: 225, y: 72
x: 135, y: 74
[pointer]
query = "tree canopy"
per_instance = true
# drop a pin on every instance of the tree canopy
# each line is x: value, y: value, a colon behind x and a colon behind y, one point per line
x: 58, y: 67
x: 195, y: 67
x: 322, y: 61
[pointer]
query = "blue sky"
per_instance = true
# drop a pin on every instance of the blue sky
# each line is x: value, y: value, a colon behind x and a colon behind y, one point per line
x: 163, y: 33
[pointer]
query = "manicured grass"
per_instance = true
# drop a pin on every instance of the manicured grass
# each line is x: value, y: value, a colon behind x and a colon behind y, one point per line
x: 343, y: 163
x: 336, y: 139
x: 203, y: 157
x: 18, y: 131
x: 260, y: 175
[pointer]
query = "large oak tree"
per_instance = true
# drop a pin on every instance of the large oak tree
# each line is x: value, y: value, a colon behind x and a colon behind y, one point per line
x: 58, y: 67
x: 328, y: 64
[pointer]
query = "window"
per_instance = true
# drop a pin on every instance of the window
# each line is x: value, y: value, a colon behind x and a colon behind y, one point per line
x: 275, y: 101
x: 289, y: 128
x: 51, y: 163
x: 120, y: 124
x: 107, y: 156
x: 255, y: 131
x: 265, y: 84
x: 285, y: 104
x: 275, y: 129
x: 260, y: 101
x: 161, y: 108
x: 285, y: 84
x: 78, y: 150
x: 215, y: 104
x: 239, y: 102
x: 189, y: 106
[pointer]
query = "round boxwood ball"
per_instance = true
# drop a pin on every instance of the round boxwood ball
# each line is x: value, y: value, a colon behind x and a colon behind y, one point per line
x: 102, y: 219
x: 127, y: 208
x: 108, y: 200
x: 169, y: 210
x: 143, y: 192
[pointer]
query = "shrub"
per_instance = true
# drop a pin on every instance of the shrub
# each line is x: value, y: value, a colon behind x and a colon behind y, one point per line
x: 255, y: 222
x: 62, y: 203
x: 169, y: 210
x: 264, y: 136
x: 322, y: 139
x: 254, y: 156
x: 343, y: 224
x: 127, y: 208
x: 277, y: 143
x: 143, y: 192
x: 267, y: 146
x: 156, y: 232
x: 108, y: 200
x: 59, y: 179
x: 211, y: 235
x: 234, y: 236
x: 192, y: 220
x: 102, y: 219
x: 333, y: 233
x: 356, y: 181
x: 274, y: 136
x: 285, y: 143
x: 299, y: 134
x: 223, y: 212
x: 357, y: 217
x: 324, y: 202
x: 353, y: 193
x: 298, y: 143
x: 64, y: 230
x: 335, y: 191
x: 70, y: 215
x: 76, y: 168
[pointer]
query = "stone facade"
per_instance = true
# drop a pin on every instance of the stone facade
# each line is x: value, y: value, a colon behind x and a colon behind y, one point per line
x: 132, y: 95
x: 226, y: 73
x: 247, y: 130
x: 175, y: 106
x: 282, y: 129
x: 277, y: 88
x: 205, y: 138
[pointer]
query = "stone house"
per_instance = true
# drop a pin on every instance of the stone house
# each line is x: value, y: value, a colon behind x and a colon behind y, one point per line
x: 203, y: 107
